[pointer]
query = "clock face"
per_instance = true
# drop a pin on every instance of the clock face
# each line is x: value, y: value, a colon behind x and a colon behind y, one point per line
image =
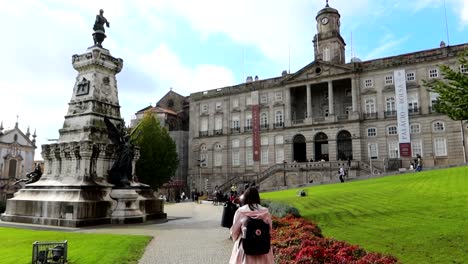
x: 324, y: 20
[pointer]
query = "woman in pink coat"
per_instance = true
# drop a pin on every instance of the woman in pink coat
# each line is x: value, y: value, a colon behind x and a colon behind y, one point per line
x: 253, y: 209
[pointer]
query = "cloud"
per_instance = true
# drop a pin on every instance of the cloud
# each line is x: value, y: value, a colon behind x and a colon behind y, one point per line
x: 167, y: 70
x: 387, y: 47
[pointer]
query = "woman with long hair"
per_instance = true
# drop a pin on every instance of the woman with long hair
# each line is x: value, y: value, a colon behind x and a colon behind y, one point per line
x: 251, y: 209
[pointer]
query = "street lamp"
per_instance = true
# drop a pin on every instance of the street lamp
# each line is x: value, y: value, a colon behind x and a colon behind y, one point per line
x: 284, y: 172
x: 200, y: 162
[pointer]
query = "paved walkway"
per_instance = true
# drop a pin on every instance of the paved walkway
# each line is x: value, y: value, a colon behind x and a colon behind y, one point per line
x: 192, y: 235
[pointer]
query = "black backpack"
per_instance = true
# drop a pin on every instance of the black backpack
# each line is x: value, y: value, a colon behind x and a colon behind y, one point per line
x: 257, y: 237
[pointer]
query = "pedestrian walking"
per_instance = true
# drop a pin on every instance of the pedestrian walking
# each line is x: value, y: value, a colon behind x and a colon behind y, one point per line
x: 342, y: 174
x: 240, y: 231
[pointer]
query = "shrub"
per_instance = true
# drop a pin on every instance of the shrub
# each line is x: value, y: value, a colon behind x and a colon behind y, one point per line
x: 280, y: 209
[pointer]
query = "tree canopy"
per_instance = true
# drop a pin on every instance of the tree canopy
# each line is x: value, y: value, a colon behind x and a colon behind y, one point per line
x: 158, y: 157
x: 452, y: 90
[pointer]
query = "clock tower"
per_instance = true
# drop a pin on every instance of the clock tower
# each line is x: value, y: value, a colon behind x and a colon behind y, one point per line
x: 328, y: 43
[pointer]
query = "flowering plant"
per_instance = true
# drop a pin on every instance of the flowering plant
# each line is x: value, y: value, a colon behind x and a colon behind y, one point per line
x: 296, y: 240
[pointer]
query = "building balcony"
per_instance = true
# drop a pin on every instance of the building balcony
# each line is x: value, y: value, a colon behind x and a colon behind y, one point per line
x: 235, y: 129
x: 369, y: 115
x: 298, y: 122
x: 247, y: 128
x: 264, y: 126
x: 318, y: 119
x: 203, y: 133
x: 217, y: 132
x: 278, y: 125
x: 390, y: 113
x: 414, y: 111
x: 342, y: 117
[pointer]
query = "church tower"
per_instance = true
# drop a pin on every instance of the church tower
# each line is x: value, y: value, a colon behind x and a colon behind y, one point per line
x: 328, y: 43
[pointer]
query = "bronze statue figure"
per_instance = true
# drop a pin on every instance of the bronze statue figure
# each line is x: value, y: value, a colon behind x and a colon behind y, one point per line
x: 100, y: 21
x: 121, y: 172
x: 31, y: 177
x: 99, y: 31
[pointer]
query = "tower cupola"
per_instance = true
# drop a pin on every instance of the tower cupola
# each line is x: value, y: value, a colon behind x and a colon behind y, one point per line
x: 328, y: 43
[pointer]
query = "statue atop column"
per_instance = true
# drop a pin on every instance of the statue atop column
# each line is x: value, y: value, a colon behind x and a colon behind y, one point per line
x: 99, y: 31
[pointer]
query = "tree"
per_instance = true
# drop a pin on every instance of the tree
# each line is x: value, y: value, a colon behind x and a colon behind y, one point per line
x: 158, y: 157
x: 452, y: 90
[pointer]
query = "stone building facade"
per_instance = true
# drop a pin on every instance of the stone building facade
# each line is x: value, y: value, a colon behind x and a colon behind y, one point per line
x: 337, y: 113
x: 17, y: 158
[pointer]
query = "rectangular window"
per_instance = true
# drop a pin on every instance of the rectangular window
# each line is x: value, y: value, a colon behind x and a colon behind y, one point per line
x: 370, y: 105
x: 235, y: 158
x: 416, y: 147
x: 440, y: 147
x: 203, y: 124
x: 235, y: 143
x: 279, y: 155
x: 410, y: 76
x: 264, y: 158
x: 264, y: 141
x: 433, y: 73
x: 218, y: 122
x: 219, y: 106
x: 203, y: 160
x: 392, y: 130
x: 373, y: 151
x: 203, y: 108
x: 415, y: 129
x: 463, y: 68
x: 248, y: 142
x: 368, y: 83
x: 393, y: 150
x: 264, y: 99
x: 413, y: 104
x: 248, y: 100
x: 248, y: 121
x: 249, y: 157
x: 218, y: 159
x: 372, y: 132
x: 235, y: 103
x: 235, y: 122
x: 389, y: 80
x: 278, y: 96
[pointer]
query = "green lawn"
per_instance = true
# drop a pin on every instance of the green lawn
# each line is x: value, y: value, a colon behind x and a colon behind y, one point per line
x: 417, y: 217
x: 16, y: 246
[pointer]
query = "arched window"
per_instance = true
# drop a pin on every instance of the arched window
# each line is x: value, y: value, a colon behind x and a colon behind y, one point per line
x: 438, y: 126
x: 279, y: 119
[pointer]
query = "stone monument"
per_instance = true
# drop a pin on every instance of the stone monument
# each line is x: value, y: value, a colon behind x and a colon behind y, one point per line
x: 75, y: 188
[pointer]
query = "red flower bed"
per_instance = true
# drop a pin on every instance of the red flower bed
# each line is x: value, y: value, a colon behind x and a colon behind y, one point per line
x: 295, y: 240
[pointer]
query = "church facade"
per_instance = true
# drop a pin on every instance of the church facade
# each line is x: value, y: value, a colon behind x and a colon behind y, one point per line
x: 17, y: 158
x: 371, y: 116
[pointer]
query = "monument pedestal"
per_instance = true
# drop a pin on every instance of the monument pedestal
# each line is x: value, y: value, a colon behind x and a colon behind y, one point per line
x: 74, y: 190
x: 127, y: 209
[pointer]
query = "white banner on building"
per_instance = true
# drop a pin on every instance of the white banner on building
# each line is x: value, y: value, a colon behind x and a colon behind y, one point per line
x: 402, y: 112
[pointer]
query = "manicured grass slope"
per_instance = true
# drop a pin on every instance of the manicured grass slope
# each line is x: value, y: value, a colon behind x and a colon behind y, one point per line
x: 417, y: 217
x: 16, y: 246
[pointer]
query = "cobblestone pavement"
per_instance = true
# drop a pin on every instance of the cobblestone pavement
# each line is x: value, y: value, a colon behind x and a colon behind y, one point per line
x: 191, y: 235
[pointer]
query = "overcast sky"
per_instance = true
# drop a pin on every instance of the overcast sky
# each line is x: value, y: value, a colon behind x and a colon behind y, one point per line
x: 191, y: 45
